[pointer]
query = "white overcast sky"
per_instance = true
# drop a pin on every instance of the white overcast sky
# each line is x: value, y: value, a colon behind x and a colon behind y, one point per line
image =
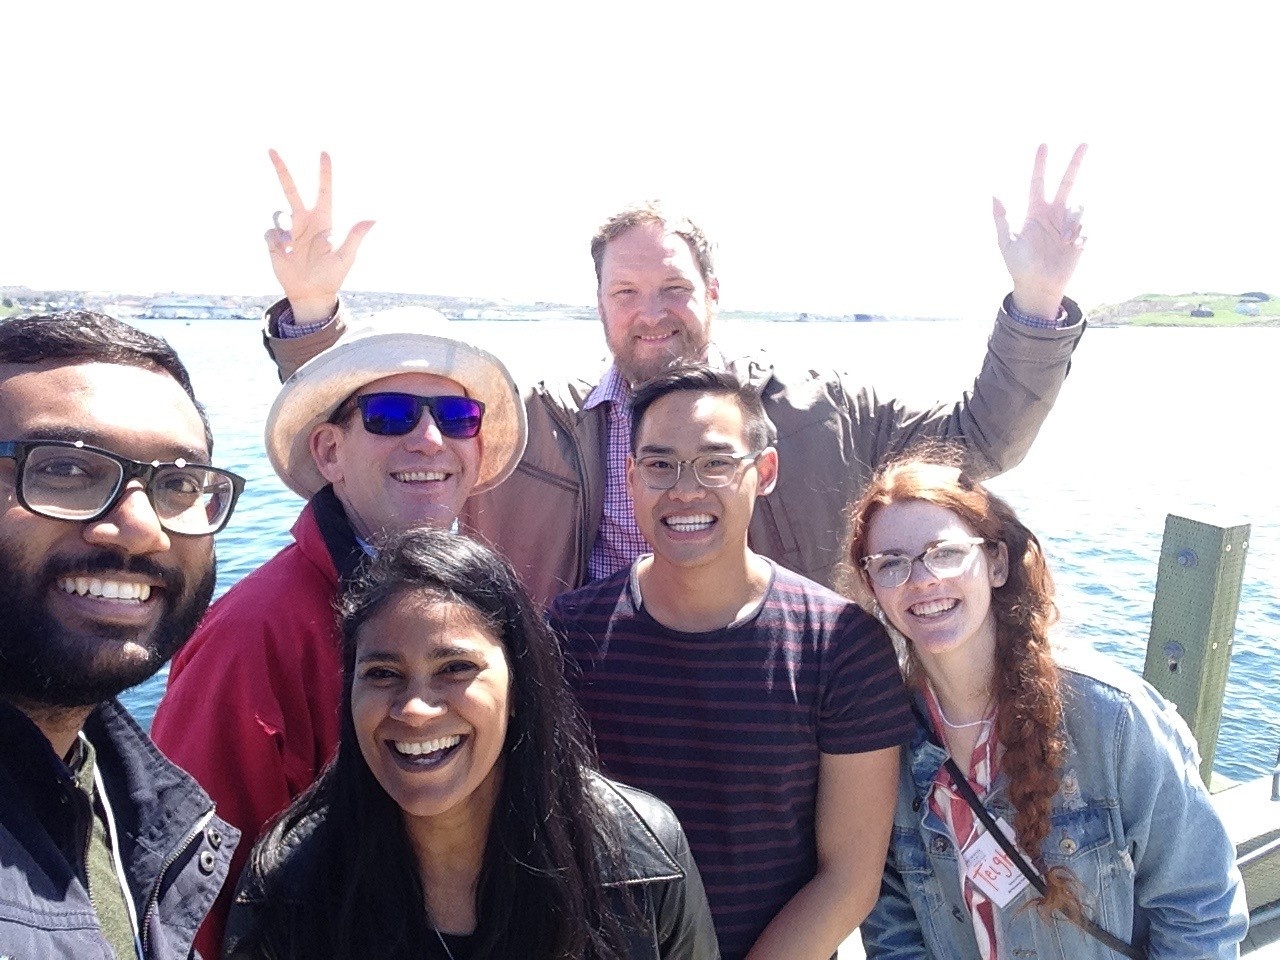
x: 843, y: 154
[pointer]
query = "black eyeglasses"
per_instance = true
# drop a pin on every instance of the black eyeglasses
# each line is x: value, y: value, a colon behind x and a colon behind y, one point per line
x: 68, y: 480
x: 395, y: 414
x: 944, y: 560
x: 712, y: 470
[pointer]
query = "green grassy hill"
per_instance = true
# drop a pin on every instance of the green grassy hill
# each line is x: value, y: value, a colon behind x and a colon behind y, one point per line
x: 1162, y: 310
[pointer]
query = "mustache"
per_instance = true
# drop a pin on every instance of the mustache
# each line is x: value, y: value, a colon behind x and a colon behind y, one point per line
x: 104, y: 562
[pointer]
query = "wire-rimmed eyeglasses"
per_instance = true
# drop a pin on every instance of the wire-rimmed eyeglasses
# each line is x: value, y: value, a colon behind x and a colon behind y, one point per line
x: 660, y: 472
x: 944, y: 560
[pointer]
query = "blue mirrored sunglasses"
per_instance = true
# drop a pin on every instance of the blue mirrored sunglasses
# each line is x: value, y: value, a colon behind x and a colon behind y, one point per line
x: 395, y: 414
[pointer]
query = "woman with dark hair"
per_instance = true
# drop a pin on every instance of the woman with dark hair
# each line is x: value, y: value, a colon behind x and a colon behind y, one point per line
x: 461, y: 817
x: 1084, y: 765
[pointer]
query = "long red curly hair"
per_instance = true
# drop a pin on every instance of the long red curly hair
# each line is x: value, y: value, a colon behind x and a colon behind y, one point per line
x: 1029, y: 721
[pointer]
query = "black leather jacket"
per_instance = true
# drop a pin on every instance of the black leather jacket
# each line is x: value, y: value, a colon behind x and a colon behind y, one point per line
x: 677, y: 921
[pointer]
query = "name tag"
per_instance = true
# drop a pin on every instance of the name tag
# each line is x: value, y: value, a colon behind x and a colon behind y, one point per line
x: 991, y: 870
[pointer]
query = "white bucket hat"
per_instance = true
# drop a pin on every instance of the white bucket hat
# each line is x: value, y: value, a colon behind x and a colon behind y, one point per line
x: 401, y: 340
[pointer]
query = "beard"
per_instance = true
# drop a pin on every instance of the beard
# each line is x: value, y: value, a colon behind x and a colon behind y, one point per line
x: 44, y: 662
x: 688, y: 346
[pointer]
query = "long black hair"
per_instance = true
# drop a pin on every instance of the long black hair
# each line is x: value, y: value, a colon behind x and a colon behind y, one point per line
x: 540, y: 893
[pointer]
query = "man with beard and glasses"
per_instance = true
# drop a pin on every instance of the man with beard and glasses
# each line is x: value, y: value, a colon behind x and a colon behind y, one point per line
x: 392, y: 428
x: 107, y: 514
x: 657, y: 293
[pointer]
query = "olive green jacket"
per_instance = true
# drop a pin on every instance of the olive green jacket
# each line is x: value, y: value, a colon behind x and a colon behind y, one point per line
x: 830, y: 438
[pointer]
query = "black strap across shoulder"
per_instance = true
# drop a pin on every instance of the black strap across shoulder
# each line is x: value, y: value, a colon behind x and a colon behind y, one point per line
x: 1122, y: 947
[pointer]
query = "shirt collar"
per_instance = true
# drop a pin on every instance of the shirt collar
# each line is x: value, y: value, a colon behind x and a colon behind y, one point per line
x: 612, y: 388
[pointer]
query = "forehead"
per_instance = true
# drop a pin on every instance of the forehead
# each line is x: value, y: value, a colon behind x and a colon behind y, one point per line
x: 687, y: 419
x: 420, y: 622
x: 911, y: 525
x: 423, y: 384
x: 647, y: 248
x: 138, y: 412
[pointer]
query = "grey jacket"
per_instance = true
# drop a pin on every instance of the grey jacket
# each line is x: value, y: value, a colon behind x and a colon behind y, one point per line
x: 175, y: 852
x: 658, y: 873
x: 831, y: 436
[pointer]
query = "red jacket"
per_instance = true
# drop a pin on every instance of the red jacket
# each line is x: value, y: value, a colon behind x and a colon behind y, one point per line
x: 251, y: 710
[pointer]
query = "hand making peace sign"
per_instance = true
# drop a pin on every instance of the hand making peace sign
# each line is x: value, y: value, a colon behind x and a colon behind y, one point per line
x: 1042, y: 256
x: 308, y: 267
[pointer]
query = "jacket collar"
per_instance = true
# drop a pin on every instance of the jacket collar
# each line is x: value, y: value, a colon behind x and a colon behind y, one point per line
x: 26, y: 753
x: 157, y: 805
x: 155, y: 802
x: 644, y: 859
x: 41, y: 794
x: 336, y: 533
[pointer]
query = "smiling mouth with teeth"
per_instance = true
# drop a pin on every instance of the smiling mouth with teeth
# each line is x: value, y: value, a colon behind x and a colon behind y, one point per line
x: 931, y: 608
x: 426, y: 751
x: 420, y: 476
x: 690, y: 524
x: 107, y: 589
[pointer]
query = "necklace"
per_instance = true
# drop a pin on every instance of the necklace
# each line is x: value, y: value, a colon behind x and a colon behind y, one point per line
x: 440, y: 936
x: 962, y: 726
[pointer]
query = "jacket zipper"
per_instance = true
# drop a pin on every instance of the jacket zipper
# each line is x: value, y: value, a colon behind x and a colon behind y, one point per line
x: 88, y: 840
x: 154, y: 898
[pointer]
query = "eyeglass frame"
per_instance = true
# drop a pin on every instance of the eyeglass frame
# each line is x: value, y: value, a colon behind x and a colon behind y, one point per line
x: 421, y: 403
x: 920, y: 557
x: 743, y: 459
x: 19, y: 450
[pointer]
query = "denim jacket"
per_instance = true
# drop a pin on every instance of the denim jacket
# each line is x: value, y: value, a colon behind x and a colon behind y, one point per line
x: 1131, y: 819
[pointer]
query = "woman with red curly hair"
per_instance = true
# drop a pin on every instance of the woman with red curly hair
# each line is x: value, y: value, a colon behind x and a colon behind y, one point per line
x: 1082, y: 763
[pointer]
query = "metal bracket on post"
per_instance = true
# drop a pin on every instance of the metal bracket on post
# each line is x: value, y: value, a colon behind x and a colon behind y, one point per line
x: 1193, y: 620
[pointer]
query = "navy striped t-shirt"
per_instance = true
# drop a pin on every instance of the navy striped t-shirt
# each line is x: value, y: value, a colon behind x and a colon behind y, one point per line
x: 727, y: 726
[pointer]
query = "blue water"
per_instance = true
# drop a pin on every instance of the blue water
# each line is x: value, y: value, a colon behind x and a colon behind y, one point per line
x: 1151, y: 422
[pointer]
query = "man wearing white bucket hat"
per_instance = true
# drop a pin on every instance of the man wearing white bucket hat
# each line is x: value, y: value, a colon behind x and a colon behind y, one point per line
x: 392, y: 427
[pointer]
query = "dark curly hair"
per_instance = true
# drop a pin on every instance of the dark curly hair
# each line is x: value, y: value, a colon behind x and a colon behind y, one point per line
x: 1029, y: 722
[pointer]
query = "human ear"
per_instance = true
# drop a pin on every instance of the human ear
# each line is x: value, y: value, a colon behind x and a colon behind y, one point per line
x: 998, y: 565
x: 767, y: 466
x: 631, y: 476
x: 326, y: 446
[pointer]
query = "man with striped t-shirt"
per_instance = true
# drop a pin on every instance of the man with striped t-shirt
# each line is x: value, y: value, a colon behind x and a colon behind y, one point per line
x: 764, y: 708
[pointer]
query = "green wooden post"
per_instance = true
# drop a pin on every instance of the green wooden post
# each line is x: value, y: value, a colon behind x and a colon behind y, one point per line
x: 1193, y: 619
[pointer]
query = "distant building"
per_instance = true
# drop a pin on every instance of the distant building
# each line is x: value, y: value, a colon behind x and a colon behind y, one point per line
x: 187, y: 308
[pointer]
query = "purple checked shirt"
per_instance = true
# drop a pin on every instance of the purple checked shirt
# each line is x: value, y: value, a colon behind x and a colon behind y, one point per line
x: 619, y: 540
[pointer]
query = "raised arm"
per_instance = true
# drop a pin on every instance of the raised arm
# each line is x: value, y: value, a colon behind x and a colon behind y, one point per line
x: 309, y: 268
x: 1042, y: 256
x: 1028, y: 355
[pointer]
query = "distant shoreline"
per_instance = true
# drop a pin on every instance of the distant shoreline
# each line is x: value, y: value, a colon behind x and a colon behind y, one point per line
x: 1199, y: 310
